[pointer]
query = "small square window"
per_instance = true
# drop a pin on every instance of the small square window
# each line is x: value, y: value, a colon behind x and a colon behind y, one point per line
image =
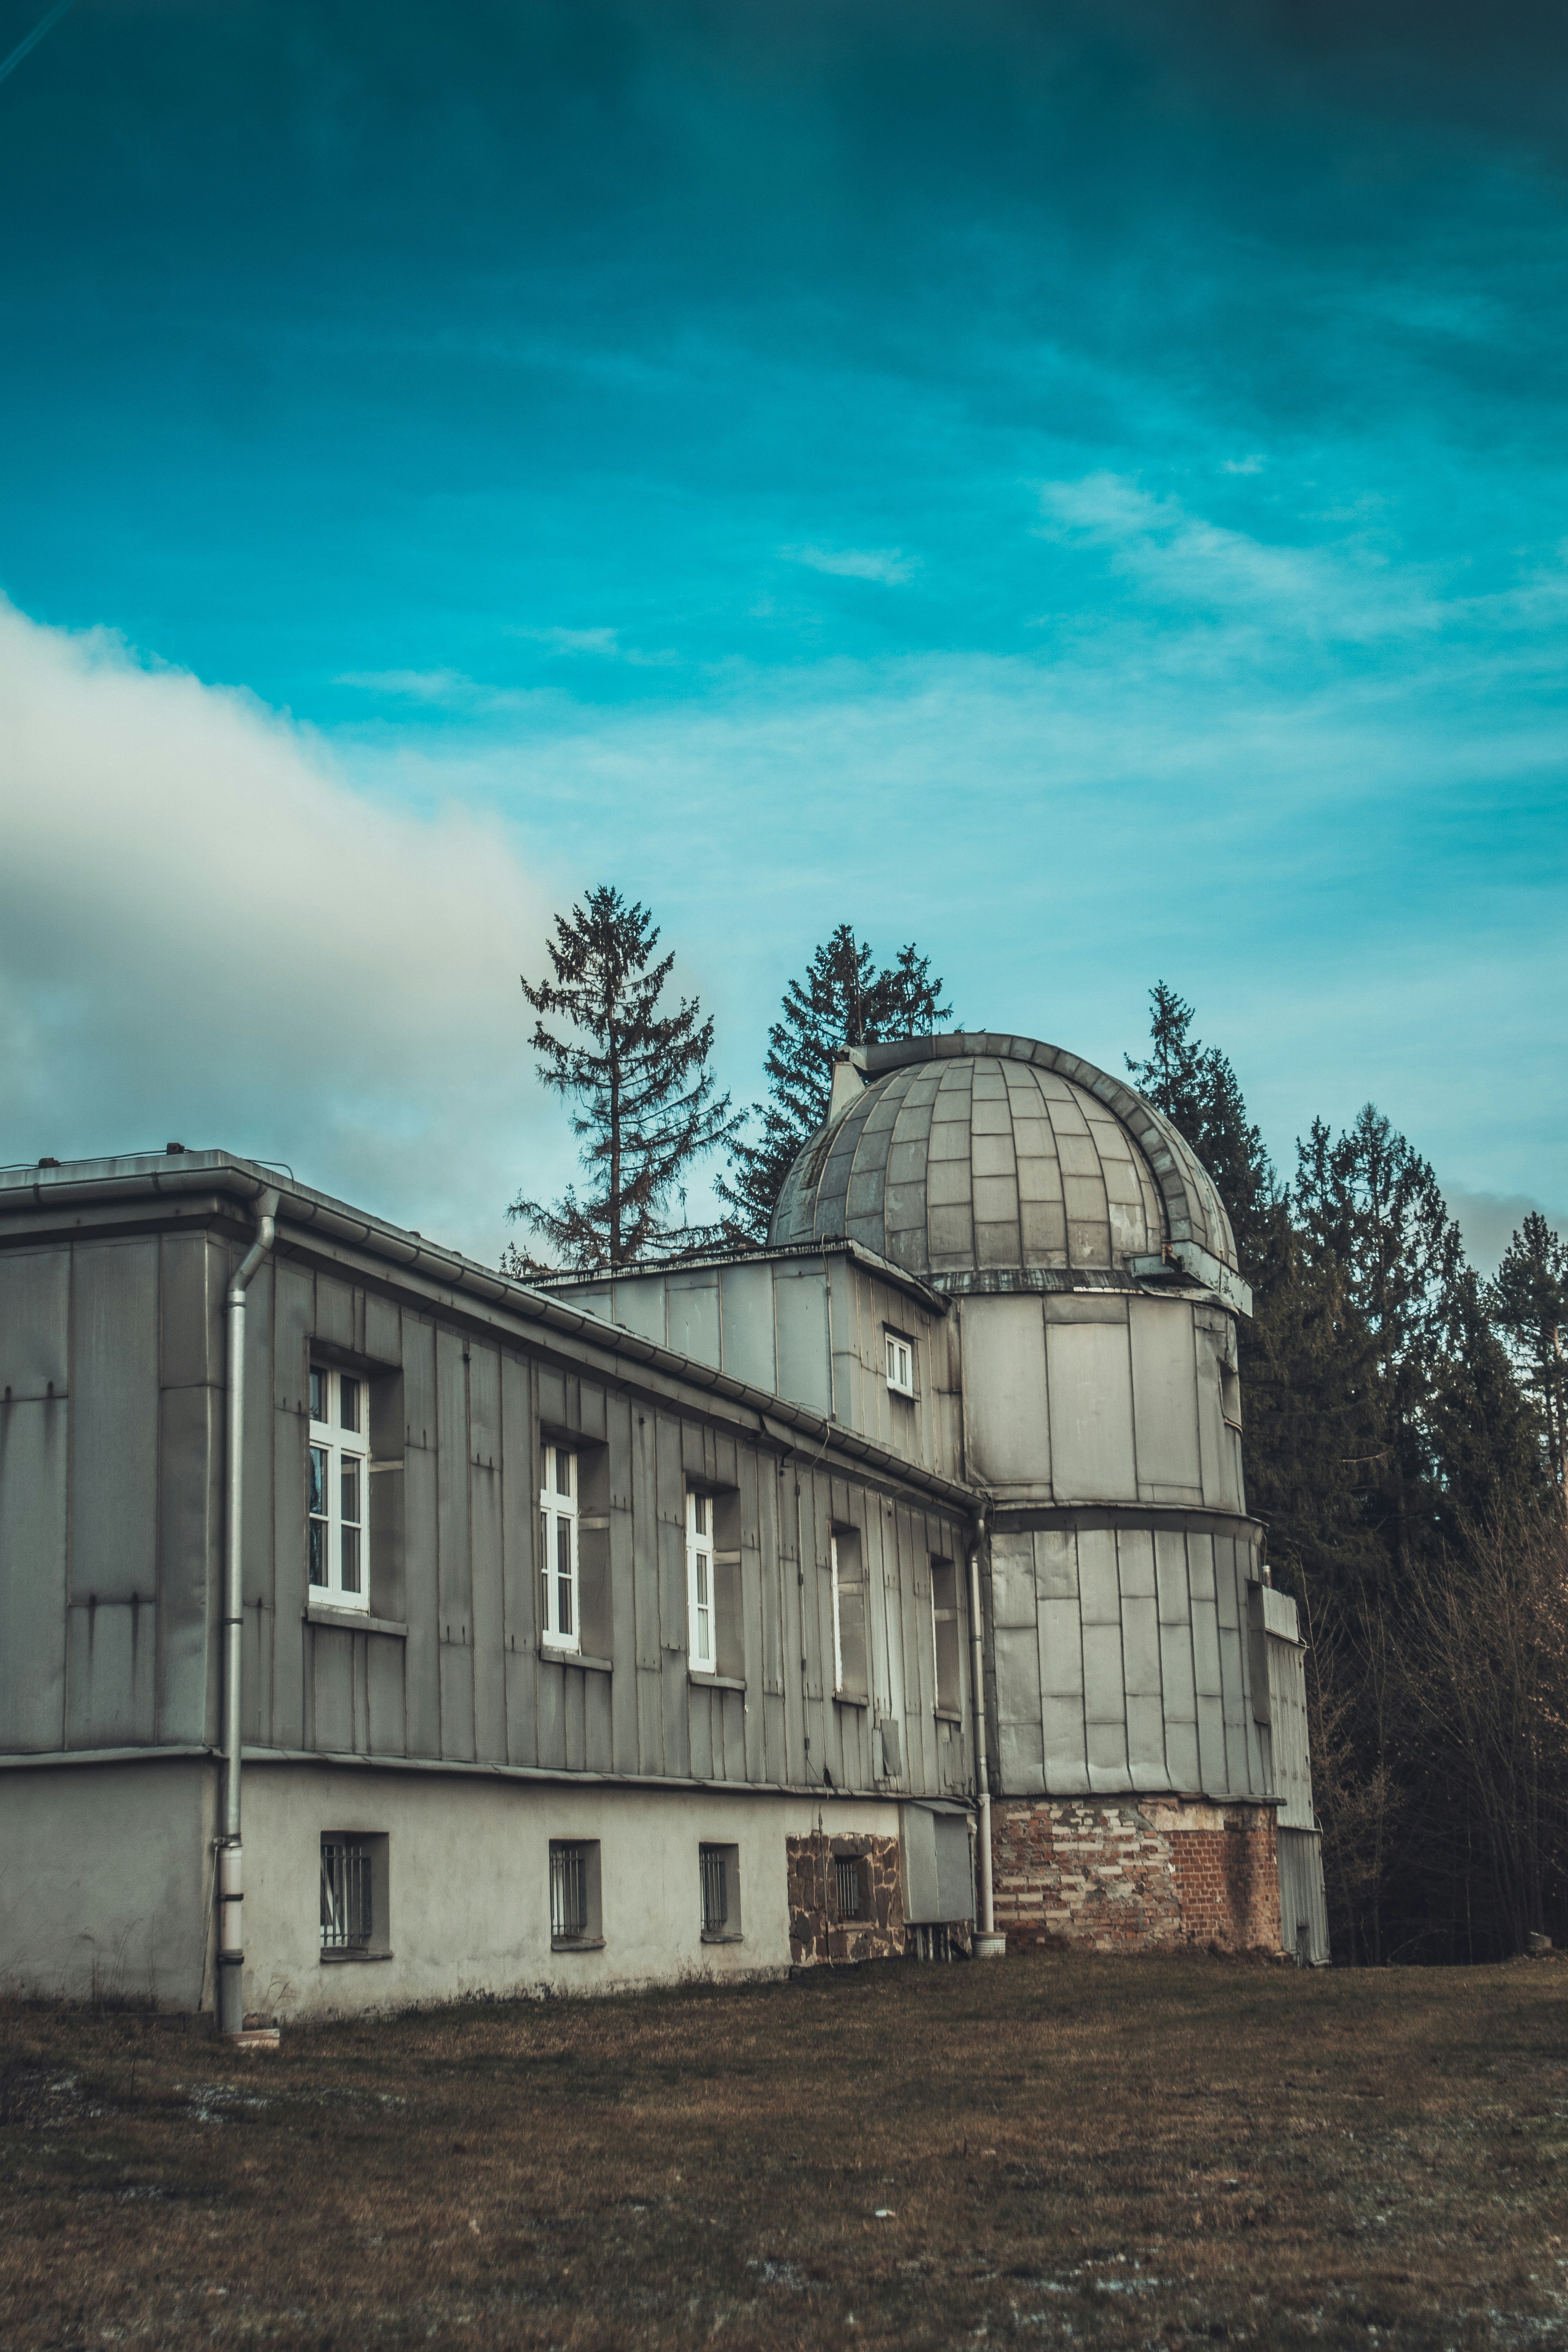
x: 353, y: 1896
x: 900, y: 1352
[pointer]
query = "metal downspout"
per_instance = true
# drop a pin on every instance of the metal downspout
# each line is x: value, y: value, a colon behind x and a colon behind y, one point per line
x: 988, y: 1944
x: 230, y: 1866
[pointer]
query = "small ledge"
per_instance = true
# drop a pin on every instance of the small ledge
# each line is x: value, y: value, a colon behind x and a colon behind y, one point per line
x: 343, y: 1959
x: 947, y: 1714
x: 716, y: 1682
x: 723, y: 1936
x: 852, y: 1698
x: 354, y: 1621
x: 576, y: 1943
x: 575, y: 1658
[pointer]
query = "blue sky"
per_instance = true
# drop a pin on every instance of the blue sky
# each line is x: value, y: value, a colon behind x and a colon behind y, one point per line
x: 1081, y: 488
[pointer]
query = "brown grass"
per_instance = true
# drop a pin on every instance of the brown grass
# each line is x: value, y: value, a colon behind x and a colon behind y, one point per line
x: 1112, y: 2152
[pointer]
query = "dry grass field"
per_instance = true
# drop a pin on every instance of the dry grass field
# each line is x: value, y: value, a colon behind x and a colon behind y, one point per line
x: 1121, y: 2153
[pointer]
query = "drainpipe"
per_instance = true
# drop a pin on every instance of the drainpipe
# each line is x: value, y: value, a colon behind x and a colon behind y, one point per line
x: 988, y: 1944
x: 230, y: 1867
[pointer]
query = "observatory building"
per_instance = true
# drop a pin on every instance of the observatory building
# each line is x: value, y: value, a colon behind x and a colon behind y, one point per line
x: 376, y: 1628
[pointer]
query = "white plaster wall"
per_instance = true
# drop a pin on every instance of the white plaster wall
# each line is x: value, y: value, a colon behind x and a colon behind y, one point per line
x: 469, y: 1883
x: 106, y: 1881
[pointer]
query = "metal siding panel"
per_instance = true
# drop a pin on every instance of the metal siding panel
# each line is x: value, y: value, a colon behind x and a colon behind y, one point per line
x: 484, y: 1406
x: 1012, y: 1580
x: 293, y: 1317
x: 382, y: 1330
x: 746, y: 1323
x: 1104, y: 1691
x: 283, y: 1500
x: 1140, y: 1649
x: 700, y: 1705
x: 1005, y: 1420
x: 34, y: 1450
x: 111, y: 1675
x: 519, y: 1516
x: 801, y: 1307
x: 419, y: 1382
x: 190, y: 1539
x: 332, y: 1653
x: 489, y: 1673
x: 334, y: 1311
x: 1100, y: 1584
x: 1055, y: 1564
x: 1164, y: 1393
x: 640, y: 1307
x: 598, y: 1744
x: 694, y: 1316
x: 1146, y: 1743
x: 35, y: 1323
x: 622, y: 1592
x: 1091, y: 1386
x: 192, y: 1347
x: 384, y: 1694
x: 422, y: 1698
x: 114, y: 1424
x: 551, y: 1715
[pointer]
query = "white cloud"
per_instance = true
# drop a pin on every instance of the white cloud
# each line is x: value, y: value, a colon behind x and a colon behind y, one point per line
x: 206, y: 933
x: 888, y: 564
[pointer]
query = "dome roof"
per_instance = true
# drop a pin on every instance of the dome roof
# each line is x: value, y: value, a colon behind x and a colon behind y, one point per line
x: 976, y: 1153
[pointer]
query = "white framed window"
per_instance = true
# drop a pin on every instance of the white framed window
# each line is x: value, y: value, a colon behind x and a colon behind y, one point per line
x: 901, y: 1363
x: 337, y: 1504
x: 559, y: 1617
x: 703, y: 1653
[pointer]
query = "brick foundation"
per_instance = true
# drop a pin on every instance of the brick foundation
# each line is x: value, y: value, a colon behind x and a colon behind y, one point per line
x: 1149, y: 1873
x: 817, y: 1930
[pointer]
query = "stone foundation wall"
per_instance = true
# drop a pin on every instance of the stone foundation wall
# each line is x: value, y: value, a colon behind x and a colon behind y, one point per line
x: 1148, y: 1874
x: 818, y: 1931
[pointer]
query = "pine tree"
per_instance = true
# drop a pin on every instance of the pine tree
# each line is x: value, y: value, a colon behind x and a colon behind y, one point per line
x: 1198, y: 1091
x: 640, y: 1078
x: 1528, y: 1303
x: 843, y: 1000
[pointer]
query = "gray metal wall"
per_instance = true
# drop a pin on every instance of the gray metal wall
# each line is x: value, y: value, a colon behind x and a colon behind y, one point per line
x: 111, y: 1414
x: 811, y: 1329
x: 111, y: 1403
x: 1120, y: 1664
x: 1101, y: 1397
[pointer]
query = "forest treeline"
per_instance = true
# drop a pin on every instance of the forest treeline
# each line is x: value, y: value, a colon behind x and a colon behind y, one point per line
x: 1404, y: 1443
x: 1405, y: 1433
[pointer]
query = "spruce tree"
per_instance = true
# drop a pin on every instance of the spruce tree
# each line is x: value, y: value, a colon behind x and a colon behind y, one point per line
x: 843, y: 1000
x: 1197, y: 1089
x: 1528, y: 1303
x: 638, y: 1074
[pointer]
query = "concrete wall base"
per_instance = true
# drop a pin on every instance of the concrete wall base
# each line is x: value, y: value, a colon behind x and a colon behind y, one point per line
x: 1119, y: 1874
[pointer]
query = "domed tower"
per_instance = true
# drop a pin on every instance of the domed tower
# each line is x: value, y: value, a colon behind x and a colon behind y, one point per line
x: 1143, y: 1679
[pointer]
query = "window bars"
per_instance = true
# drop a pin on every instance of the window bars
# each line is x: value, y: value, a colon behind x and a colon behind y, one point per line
x: 715, y: 1889
x: 348, y: 1918
x: 847, y: 1872
x: 568, y: 1892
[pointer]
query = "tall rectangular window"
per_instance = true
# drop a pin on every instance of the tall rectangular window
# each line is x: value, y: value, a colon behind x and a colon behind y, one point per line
x: 945, y: 1635
x: 699, y: 1583
x: 337, y: 1504
x: 574, y: 1906
x: 849, y: 1614
x: 348, y: 1895
x: 559, y: 1615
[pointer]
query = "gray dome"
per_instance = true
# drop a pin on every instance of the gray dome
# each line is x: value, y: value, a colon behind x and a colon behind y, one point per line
x: 976, y: 1153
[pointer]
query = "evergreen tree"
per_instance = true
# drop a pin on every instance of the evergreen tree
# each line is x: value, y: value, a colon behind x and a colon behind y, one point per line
x: 639, y: 1077
x: 1528, y: 1303
x: 843, y: 1000
x: 1198, y: 1091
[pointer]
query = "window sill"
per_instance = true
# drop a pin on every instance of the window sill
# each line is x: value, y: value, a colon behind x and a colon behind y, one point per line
x: 907, y: 1394
x: 715, y: 1681
x: 576, y: 1943
x: 553, y: 1658
x: 862, y: 1700
x: 723, y: 1936
x: 357, y: 1621
x: 343, y: 1959
x: 948, y: 1714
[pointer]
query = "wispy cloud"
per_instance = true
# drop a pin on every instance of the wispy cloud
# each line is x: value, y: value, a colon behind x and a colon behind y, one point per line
x: 415, y: 684
x: 603, y: 645
x: 891, y: 565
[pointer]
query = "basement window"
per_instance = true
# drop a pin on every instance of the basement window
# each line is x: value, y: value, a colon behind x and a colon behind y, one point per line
x: 574, y: 1912
x: 849, y: 1886
x: 353, y: 1896
x: 718, y: 1869
x: 901, y: 1358
x: 337, y: 1509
